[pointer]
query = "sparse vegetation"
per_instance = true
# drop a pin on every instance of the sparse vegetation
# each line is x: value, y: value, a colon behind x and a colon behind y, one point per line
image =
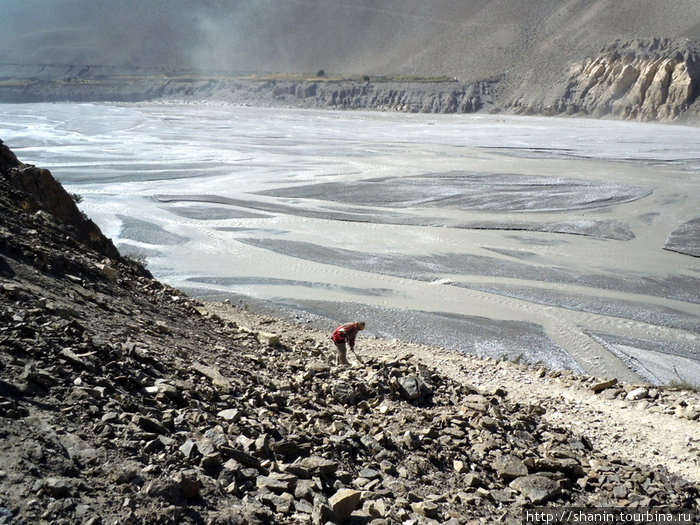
x: 77, y: 198
x: 682, y: 383
x: 136, y: 259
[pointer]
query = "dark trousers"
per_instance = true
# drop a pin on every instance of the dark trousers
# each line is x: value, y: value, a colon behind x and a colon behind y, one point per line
x: 342, y: 353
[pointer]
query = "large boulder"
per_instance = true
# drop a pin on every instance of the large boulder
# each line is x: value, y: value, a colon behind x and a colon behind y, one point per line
x: 343, y: 503
x: 536, y: 488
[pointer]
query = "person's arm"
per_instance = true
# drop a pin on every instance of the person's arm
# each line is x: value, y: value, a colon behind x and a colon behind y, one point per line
x: 351, y: 337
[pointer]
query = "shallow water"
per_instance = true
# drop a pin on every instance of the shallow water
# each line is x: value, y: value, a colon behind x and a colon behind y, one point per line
x: 531, y: 238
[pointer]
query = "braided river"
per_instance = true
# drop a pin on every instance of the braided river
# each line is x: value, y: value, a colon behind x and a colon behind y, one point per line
x: 571, y: 243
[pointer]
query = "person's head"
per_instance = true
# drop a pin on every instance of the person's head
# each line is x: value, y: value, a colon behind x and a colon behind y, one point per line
x: 360, y: 325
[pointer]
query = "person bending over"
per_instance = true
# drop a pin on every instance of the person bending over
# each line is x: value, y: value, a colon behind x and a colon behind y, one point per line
x: 345, y: 335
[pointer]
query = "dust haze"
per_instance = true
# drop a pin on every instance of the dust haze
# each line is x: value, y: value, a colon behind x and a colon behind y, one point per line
x: 465, y: 38
x: 233, y: 36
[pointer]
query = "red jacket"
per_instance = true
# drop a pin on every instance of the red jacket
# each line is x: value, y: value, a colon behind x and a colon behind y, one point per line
x: 345, y: 332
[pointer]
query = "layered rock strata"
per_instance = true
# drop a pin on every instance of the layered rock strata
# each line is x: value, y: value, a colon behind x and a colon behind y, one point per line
x: 649, y: 80
x: 639, y: 80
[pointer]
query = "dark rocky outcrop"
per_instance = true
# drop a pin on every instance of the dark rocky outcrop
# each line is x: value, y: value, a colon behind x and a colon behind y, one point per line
x: 8, y: 160
x: 42, y: 192
x: 124, y: 400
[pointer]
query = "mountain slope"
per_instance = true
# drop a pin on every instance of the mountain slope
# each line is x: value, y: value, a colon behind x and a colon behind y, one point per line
x: 471, y: 39
x: 533, y: 47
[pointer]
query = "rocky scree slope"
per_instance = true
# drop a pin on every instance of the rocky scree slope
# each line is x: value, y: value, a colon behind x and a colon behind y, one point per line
x: 124, y: 401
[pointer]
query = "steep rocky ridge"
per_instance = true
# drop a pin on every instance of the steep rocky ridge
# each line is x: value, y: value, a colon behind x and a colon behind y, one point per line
x: 124, y: 400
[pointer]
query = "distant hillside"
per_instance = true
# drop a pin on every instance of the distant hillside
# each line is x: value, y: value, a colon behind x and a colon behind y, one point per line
x: 538, y: 50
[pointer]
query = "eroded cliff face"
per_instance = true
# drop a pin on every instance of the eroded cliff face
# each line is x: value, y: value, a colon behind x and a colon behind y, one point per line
x: 638, y: 80
x: 635, y: 81
x: 104, y: 84
x: 409, y: 97
x: 650, y: 80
